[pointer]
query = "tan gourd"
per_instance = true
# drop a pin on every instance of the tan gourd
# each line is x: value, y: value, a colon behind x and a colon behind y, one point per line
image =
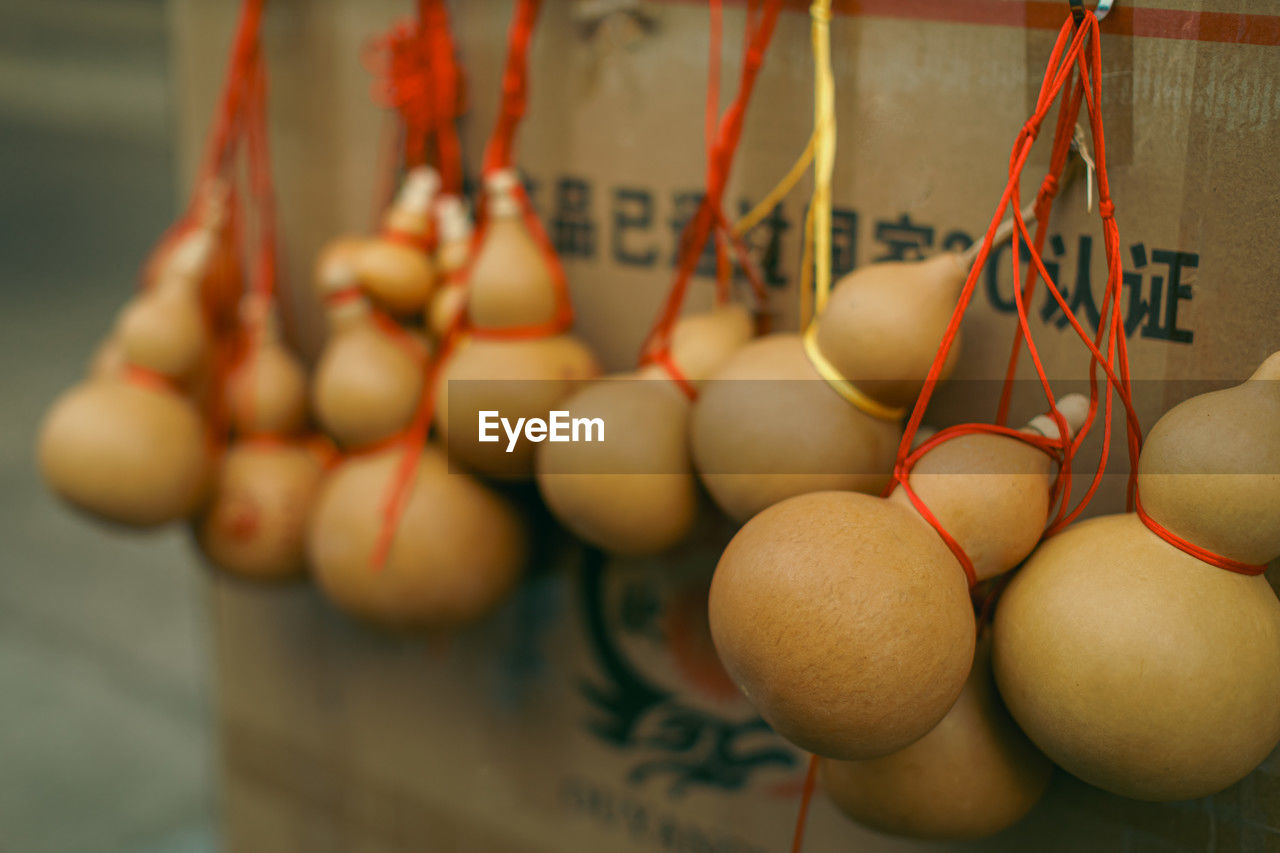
x: 130, y: 453
x: 368, y: 378
x: 769, y: 426
x: 255, y: 524
x: 266, y: 480
x: 164, y: 329
x: 1134, y: 665
x: 456, y: 554
x: 394, y: 268
x: 846, y: 620
x: 220, y: 277
x: 267, y: 392
x: 518, y: 378
x: 509, y: 284
x: 880, y: 328
x: 451, y: 256
x: 635, y: 492
x: 973, y: 775
x: 132, y: 448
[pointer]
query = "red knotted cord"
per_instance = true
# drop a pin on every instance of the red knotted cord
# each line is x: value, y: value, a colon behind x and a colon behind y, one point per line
x: 235, y: 104
x: 230, y: 113
x: 1075, y: 62
x: 709, y: 221
x: 1203, y: 554
x: 498, y: 155
x: 417, y: 74
x: 449, y: 91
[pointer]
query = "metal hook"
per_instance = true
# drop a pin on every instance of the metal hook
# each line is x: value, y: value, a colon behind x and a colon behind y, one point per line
x: 1099, y: 12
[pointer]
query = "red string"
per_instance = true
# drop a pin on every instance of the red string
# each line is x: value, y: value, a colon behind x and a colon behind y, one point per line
x: 417, y: 74
x: 230, y: 111
x: 497, y: 157
x: 1203, y: 554
x: 498, y: 153
x: 450, y: 102
x: 1075, y: 57
x: 806, y: 796
x: 709, y: 215
x: 403, y: 82
x: 515, y: 86
x: 412, y: 442
x: 563, y: 318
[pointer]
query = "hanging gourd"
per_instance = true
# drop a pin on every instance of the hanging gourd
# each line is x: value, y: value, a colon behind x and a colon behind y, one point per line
x: 457, y: 551
x: 129, y: 444
x: 398, y: 536
x: 454, y: 549
x: 525, y: 363
x: 269, y: 470
x: 370, y: 371
x: 973, y: 775
x: 395, y: 268
x: 128, y: 450
x: 825, y: 407
x: 517, y: 357
x: 845, y: 617
x: 1142, y: 651
x: 267, y: 477
x: 985, y: 498
x: 634, y: 492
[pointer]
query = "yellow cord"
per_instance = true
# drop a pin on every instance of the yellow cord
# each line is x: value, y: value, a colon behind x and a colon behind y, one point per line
x: 824, y: 156
x: 843, y: 386
x: 777, y: 194
x: 815, y: 275
x: 820, y: 152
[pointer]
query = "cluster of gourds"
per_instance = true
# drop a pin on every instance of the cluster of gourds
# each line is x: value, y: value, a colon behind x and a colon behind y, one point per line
x: 838, y: 608
x: 458, y: 545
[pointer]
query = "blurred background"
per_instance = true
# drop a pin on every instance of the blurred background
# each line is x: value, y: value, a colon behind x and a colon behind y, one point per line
x: 105, y: 724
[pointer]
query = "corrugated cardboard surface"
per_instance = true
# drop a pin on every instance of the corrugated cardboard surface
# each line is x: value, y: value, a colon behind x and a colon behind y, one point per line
x: 588, y: 715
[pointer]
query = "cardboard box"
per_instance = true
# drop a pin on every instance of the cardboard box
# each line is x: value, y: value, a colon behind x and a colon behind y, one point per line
x: 589, y: 713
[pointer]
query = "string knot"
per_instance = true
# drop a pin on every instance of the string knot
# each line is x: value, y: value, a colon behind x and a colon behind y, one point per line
x: 401, y: 66
x: 1107, y: 208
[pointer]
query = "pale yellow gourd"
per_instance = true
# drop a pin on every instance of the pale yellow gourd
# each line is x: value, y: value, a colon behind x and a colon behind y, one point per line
x: 219, y: 275
x: 267, y: 392
x: 456, y: 554
x: 127, y: 445
x: 393, y: 267
x: 846, y: 620
x: 255, y: 523
x: 509, y: 286
x: 368, y: 379
x: 131, y: 453
x: 768, y: 426
x: 266, y: 480
x: 164, y: 329
x: 973, y: 775
x: 510, y: 283
x: 635, y: 493
x: 1135, y: 665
